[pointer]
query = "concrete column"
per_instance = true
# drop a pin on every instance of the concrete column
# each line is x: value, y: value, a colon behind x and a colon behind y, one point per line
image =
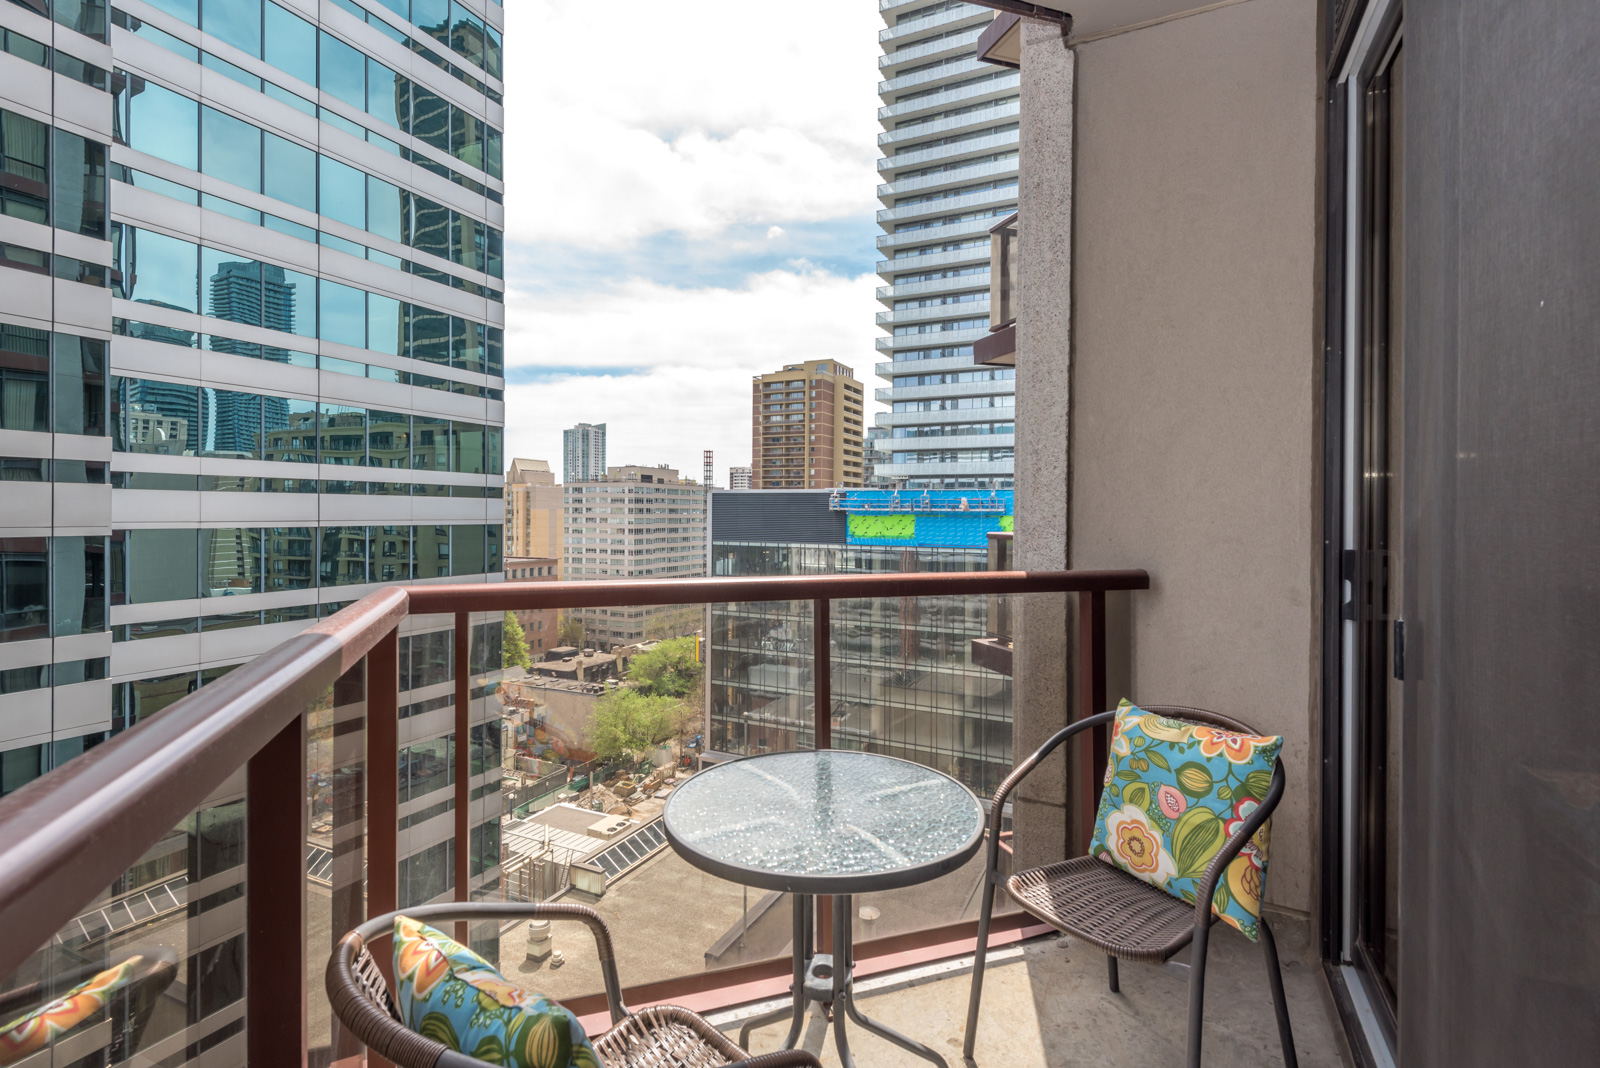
x: 1041, y: 673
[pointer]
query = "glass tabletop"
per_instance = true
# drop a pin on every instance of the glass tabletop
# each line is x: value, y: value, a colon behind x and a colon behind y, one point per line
x: 832, y: 821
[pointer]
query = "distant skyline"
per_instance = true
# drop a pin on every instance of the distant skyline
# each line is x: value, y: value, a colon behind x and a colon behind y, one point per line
x: 712, y: 235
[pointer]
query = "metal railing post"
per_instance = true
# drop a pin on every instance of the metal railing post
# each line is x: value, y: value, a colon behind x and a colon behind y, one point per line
x: 1093, y: 750
x: 276, y: 1029
x: 463, y: 766
x: 822, y: 675
x: 383, y: 784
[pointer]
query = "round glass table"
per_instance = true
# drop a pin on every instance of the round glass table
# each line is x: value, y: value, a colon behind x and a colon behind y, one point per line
x: 831, y: 822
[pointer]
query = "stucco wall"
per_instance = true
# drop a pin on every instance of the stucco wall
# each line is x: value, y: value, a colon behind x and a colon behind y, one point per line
x: 1194, y: 365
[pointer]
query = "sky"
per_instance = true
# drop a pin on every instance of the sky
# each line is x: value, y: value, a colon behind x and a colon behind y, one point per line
x: 690, y: 190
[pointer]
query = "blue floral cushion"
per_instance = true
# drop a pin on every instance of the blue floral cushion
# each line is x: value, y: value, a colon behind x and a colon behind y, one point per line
x: 1175, y: 793
x: 450, y: 994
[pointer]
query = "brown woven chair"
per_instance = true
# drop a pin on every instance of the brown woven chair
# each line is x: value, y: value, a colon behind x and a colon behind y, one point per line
x: 1126, y: 918
x: 660, y: 1037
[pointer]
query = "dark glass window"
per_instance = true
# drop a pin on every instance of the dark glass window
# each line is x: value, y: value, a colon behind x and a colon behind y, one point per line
x: 430, y: 335
x: 88, y: 17
x: 78, y: 568
x: 24, y: 378
x: 495, y: 345
x: 230, y: 562
x: 291, y: 558
x: 466, y: 137
x: 163, y: 565
x: 467, y: 344
x: 389, y: 440
x: 23, y: 679
x: 231, y: 286
x: 467, y: 550
x: 343, y: 435
x: 79, y: 384
x: 344, y: 555
x: 24, y: 589
x: 157, y: 417
x: 430, y: 227
x: 79, y: 185
x: 468, y: 451
x: 467, y: 241
x: 430, y: 443
x: 430, y: 117
x: 232, y: 423
x: 494, y: 252
x: 18, y: 767
x: 25, y: 162
x: 289, y: 172
x: 230, y: 149
x: 291, y: 430
x: 430, y: 552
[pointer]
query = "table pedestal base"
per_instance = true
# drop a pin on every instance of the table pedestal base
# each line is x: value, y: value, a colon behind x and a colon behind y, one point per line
x: 828, y: 978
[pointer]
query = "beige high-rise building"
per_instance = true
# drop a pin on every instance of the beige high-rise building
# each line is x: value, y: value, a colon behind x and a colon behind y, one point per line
x: 806, y: 427
x: 533, y: 511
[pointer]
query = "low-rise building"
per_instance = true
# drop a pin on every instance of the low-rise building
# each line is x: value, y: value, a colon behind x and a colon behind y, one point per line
x: 538, y: 624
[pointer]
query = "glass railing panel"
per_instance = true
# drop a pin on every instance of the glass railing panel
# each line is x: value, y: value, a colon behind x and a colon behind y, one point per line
x: 160, y: 954
x: 760, y: 679
x: 335, y: 855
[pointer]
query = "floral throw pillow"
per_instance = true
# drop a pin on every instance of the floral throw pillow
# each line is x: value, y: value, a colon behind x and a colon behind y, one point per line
x: 1175, y: 793
x: 450, y: 994
x: 39, y: 1028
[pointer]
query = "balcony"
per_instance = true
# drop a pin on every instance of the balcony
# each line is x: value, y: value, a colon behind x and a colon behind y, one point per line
x: 289, y: 762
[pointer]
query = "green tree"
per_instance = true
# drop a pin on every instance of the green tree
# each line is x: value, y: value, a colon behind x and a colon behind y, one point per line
x: 627, y: 723
x: 668, y: 670
x: 569, y: 631
x: 514, y: 645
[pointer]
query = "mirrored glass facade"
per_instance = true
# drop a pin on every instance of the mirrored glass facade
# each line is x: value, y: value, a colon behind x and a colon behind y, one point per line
x: 350, y: 235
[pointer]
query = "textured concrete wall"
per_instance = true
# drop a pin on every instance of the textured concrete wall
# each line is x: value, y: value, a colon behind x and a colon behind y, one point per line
x: 1194, y: 365
x: 1044, y: 336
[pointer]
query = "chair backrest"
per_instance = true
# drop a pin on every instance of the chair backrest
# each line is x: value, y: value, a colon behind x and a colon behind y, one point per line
x: 369, y: 980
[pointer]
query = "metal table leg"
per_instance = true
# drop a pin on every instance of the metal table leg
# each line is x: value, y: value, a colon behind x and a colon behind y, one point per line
x: 844, y: 993
x: 801, y: 907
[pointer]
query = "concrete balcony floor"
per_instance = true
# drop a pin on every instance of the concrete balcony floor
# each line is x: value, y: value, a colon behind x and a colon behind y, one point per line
x: 1046, y: 1004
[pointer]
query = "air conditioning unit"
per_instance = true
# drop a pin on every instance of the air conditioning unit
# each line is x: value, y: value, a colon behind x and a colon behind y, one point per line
x: 608, y: 828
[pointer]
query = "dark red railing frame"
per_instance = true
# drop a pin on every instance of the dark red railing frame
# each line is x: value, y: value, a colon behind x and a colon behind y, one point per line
x: 69, y: 834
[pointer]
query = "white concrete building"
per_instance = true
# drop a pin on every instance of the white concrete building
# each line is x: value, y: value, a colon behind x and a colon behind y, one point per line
x: 636, y: 523
x: 949, y: 171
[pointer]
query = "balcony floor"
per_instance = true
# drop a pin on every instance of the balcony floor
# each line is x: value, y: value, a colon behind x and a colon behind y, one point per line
x: 1046, y: 1003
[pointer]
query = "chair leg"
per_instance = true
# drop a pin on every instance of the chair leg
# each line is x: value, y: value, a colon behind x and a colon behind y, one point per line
x: 1111, y: 968
x: 1280, y: 1003
x: 979, y: 958
x: 1197, y: 990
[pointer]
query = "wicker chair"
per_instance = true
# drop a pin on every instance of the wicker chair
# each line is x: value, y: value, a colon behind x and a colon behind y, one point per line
x: 1123, y: 916
x: 660, y: 1037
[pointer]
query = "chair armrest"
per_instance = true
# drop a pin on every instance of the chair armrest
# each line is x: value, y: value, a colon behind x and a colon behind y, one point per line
x: 786, y: 1058
x: 511, y: 910
x: 1024, y: 769
x: 1230, y: 848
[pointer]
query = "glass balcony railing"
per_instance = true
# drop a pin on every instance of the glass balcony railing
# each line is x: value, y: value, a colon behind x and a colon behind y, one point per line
x: 211, y: 854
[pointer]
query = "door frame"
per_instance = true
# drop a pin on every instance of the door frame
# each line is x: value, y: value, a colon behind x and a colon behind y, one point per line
x: 1360, y: 36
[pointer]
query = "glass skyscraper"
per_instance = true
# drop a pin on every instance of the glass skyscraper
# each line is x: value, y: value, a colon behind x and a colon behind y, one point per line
x: 251, y: 368
x: 949, y: 172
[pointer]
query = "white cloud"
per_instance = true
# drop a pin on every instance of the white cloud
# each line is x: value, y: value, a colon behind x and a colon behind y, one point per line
x: 636, y: 117
x: 695, y: 352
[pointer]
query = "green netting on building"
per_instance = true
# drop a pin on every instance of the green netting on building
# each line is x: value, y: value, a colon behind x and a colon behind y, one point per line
x: 1005, y: 523
x: 898, y: 527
